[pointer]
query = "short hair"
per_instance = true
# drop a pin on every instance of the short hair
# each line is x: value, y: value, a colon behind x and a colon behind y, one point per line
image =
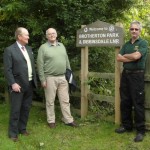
x: 19, y: 31
x: 137, y: 23
x: 51, y: 29
x: 46, y: 31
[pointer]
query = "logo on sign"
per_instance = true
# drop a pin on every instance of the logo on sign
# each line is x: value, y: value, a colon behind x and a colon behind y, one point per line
x: 111, y: 28
x: 85, y: 29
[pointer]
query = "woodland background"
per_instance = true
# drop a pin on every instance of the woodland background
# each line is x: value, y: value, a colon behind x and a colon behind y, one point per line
x: 67, y: 16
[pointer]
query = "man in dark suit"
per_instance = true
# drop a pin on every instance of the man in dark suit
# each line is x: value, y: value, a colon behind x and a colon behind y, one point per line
x: 21, y: 77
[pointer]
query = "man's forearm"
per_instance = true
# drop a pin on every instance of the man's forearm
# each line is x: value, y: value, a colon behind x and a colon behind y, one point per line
x: 133, y: 56
x: 121, y: 58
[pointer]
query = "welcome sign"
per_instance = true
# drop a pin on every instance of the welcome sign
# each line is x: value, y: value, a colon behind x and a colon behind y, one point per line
x: 99, y: 34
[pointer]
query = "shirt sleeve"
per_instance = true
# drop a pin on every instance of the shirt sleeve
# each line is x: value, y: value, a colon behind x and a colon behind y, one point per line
x: 122, y: 51
x: 68, y: 63
x: 143, y: 47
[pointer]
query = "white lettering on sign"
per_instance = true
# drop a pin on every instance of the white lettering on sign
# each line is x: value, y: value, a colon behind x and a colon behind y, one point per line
x: 80, y: 41
x: 112, y: 34
x: 102, y: 35
x: 84, y: 36
x: 95, y: 29
x: 98, y: 41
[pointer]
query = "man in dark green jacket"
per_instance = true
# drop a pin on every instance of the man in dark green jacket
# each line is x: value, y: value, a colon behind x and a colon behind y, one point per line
x: 133, y: 55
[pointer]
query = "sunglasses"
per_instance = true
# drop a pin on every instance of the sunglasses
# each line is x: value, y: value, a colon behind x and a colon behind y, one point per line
x: 131, y: 29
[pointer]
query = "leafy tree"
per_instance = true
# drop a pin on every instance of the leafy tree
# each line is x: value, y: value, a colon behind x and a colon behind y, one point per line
x: 139, y: 11
x: 66, y: 16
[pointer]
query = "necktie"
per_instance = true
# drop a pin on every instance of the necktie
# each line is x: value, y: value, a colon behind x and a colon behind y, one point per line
x: 23, y: 48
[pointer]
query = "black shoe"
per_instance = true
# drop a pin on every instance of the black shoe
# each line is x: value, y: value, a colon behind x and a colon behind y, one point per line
x: 139, y: 137
x: 52, y: 125
x: 122, y: 130
x: 14, y: 139
x: 72, y: 124
x: 25, y: 133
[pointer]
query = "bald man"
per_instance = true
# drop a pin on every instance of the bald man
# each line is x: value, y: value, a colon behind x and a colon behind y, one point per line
x: 52, y: 62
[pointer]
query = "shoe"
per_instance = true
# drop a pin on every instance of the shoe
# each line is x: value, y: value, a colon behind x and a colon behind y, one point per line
x: 25, y: 133
x: 14, y: 139
x: 139, y: 137
x: 72, y: 124
x: 51, y: 125
x: 122, y: 130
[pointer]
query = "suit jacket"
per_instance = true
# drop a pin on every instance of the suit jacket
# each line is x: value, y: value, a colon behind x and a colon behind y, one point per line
x: 15, y: 66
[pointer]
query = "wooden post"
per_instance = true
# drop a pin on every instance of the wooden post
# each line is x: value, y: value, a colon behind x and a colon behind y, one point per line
x: 84, y: 78
x: 117, y: 85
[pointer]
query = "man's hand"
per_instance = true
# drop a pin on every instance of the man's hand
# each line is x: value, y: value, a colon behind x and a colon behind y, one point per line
x: 16, y: 87
x: 44, y: 84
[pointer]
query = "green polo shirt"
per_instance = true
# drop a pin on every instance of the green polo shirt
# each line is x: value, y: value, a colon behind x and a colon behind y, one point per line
x: 52, y: 60
x: 128, y: 48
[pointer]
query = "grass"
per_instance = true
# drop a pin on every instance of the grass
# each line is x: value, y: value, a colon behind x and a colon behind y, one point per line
x: 96, y: 135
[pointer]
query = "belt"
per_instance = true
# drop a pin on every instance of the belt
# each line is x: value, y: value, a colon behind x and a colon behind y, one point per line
x: 133, y: 71
x: 58, y: 75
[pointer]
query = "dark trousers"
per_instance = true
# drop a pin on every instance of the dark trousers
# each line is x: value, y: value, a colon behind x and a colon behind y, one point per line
x: 19, y: 112
x: 132, y: 98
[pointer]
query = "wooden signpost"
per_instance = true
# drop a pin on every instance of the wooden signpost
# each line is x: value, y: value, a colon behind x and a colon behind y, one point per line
x: 99, y: 34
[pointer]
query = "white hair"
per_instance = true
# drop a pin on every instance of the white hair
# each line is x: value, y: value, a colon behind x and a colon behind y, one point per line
x: 137, y: 23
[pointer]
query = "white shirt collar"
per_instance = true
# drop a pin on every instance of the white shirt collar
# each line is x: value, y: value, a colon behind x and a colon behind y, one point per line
x: 19, y: 45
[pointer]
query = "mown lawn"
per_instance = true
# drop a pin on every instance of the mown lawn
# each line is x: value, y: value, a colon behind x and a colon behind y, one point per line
x: 97, y: 135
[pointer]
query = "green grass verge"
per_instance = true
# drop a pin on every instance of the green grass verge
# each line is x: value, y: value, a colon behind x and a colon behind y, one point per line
x: 97, y: 135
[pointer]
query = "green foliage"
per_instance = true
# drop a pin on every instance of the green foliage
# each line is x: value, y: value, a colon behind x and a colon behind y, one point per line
x: 101, y: 86
x: 139, y: 11
x: 101, y: 110
x: 98, y: 57
x: 66, y: 16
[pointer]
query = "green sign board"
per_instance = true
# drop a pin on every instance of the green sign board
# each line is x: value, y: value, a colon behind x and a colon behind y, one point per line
x: 99, y: 34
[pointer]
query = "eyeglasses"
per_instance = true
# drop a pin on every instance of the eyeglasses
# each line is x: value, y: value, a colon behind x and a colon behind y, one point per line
x: 51, y: 33
x: 131, y: 29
